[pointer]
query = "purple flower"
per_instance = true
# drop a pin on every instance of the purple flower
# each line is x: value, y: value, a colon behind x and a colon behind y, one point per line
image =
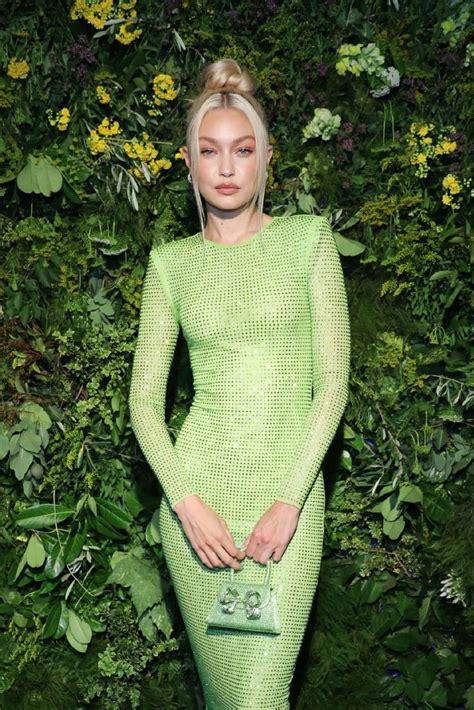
x: 81, y: 51
x: 450, y: 58
x: 347, y: 127
x: 373, y: 542
x: 347, y: 144
x: 171, y: 5
x: 322, y: 69
x: 272, y: 5
x: 234, y: 15
x: 393, y: 672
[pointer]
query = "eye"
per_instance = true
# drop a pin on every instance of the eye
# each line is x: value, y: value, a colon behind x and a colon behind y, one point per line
x: 247, y: 150
x: 206, y: 150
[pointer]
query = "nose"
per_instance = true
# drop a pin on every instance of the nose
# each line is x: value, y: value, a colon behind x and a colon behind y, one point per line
x: 226, y: 166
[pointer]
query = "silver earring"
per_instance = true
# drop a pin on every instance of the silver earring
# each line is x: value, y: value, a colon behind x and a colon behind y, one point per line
x: 190, y: 179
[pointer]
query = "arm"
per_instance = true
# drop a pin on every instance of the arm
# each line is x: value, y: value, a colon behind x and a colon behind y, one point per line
x: 330, y: 338
x: 156, y: 342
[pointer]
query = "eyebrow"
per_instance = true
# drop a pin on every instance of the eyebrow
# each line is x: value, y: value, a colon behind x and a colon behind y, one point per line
x: 237, y: 140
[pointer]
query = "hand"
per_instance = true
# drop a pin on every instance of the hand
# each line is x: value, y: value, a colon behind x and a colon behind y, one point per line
x: 273, y: 532
x: 208, y: 533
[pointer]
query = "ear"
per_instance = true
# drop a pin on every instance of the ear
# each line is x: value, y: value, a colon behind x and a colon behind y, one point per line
x: 186, y: 157
x: 269, y: 152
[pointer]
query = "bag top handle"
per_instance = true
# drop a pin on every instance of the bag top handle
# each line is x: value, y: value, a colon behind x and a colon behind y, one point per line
x: 268, y: 569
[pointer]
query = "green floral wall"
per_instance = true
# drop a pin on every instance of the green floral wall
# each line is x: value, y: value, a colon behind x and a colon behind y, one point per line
x: 369, y: 106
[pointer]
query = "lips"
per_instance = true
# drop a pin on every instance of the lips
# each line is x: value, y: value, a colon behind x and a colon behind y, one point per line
x: 227, y: 188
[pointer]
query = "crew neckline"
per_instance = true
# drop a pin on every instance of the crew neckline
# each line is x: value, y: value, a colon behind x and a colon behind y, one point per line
x: 243, y: 243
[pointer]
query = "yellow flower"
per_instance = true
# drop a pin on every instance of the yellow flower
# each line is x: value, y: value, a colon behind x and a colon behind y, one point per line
x: 446, y: 147
x: 102, y: 94
x: 447, y: 199
x: 179, y: 154
x: 105, y: 129
x: 96, y: 13
x: 61, y: 120
x: 163, y: 88
x: 18, y: 69
x: 124, y: 36
x: 421, y: 158
x: 451, y: 184
x: 424, y: 129
x: 95, y: 143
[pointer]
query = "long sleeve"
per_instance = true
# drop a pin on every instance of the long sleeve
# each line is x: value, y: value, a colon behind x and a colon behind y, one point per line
x: 156, y: 341
x: 330, y: 338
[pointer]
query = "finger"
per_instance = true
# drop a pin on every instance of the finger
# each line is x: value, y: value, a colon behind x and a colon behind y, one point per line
x: 230, y: 546
x: 262, y: 554
x: 228, y: 559
x: 204, y: 558
x: 263, y: 558
x: 278, y: 554
x: 216, y: 562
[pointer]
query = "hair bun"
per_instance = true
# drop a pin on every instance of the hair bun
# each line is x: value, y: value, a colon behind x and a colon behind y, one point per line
x: 226, y: 75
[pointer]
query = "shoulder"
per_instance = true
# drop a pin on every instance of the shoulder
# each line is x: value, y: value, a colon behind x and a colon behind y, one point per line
x: 309, y: 230
x: 310, y: 225
x: 167, y: 254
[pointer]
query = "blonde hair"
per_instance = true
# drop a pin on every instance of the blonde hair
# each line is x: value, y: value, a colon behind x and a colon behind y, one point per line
x: 223, y: 84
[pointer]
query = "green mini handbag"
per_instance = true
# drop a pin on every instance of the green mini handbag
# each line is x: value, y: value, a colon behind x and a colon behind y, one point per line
x: 246, y: 606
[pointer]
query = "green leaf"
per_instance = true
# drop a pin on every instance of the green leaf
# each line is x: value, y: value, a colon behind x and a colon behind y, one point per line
x: 52, y: 621
x: 143, y: 580
x: 54, y: 562
x: 152, y: 533
x: 81, y: 647
x: 113, y: 514
x: 35, y: 552
x: 389, y: 507
x: 79, y: 628
x: 30, y: 441
x: 43, y: 516
x: 403, y: 640
x: 424, y: 670
x: 449, y: 660
x: 75, y: 543
x: 384, y: 621
x: 394, y: 528
x: 4, y: 445
x: 346, y: 246
x: 410, y: 493
x: 437, y: 694
x: 34, y: 411
x: 39, y: 176
x: 414, y: 691
x: 21, y: 462
x: 105, y: 529
x: 437, y: 506
x: 424, y: 611
x: 370, y: 591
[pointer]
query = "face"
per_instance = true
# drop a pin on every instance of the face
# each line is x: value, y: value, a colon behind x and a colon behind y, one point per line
x: 226, y: 157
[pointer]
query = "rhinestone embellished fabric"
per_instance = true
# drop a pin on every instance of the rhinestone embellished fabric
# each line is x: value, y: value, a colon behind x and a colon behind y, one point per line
x: 267, y: 327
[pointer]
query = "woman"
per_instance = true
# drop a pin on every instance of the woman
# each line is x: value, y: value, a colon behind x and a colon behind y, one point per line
x: 262, y: 304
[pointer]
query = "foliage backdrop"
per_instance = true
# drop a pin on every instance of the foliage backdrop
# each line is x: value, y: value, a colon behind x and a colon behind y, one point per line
x: 368, y: 104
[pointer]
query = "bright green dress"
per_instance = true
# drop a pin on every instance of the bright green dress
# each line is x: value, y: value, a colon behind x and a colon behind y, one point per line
x: 267, y: 327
